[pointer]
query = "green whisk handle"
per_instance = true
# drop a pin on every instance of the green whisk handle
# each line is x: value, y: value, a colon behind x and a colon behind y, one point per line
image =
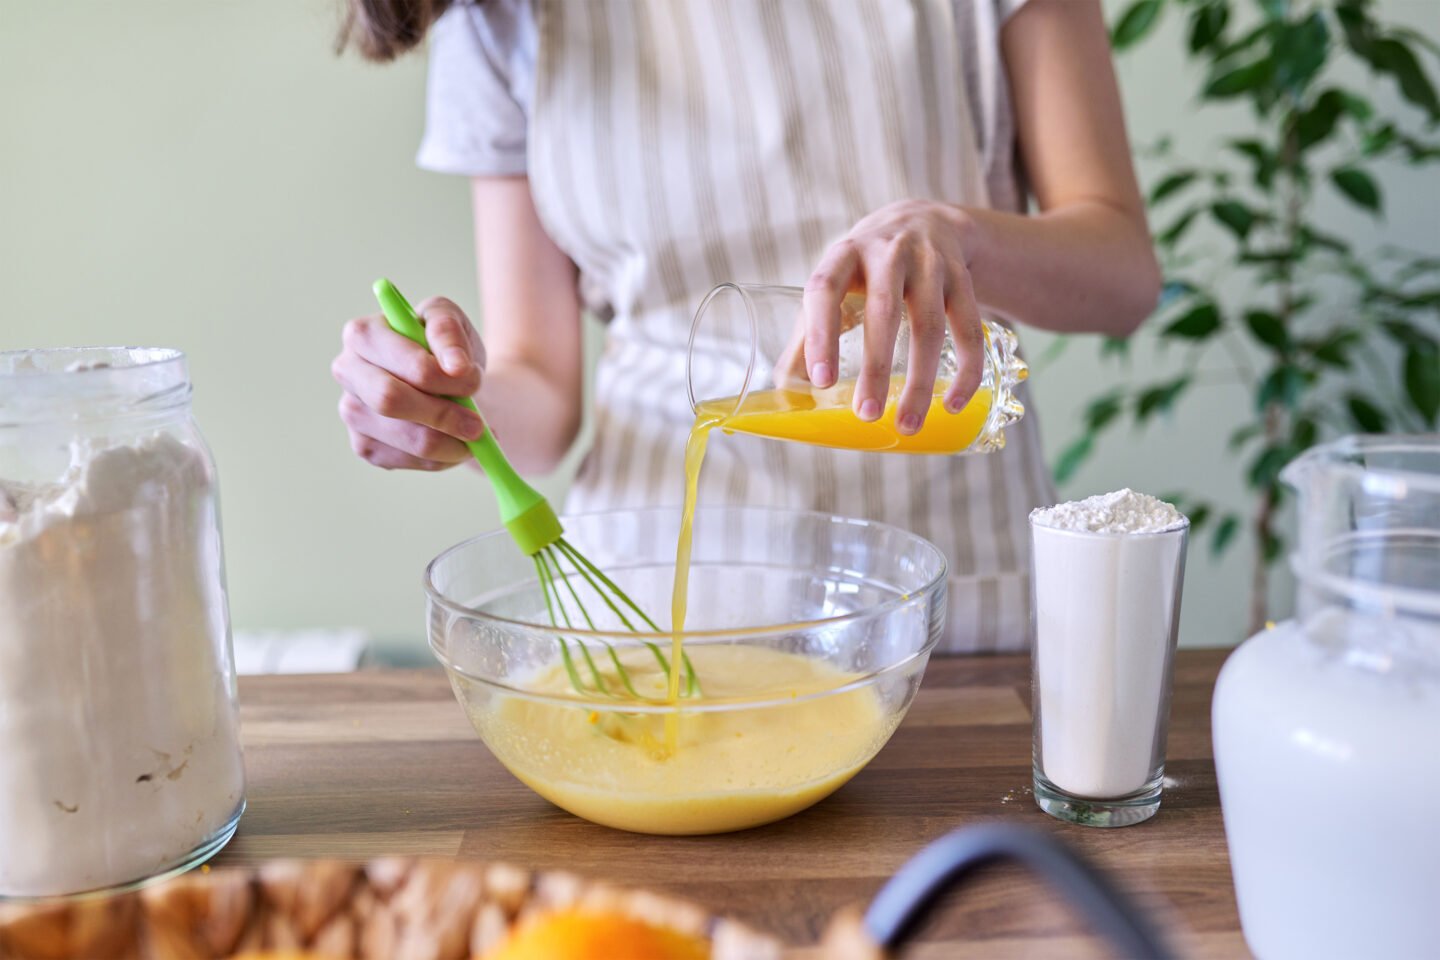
x: 524, y: 511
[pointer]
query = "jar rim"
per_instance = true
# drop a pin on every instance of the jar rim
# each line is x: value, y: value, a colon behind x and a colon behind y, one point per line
x: 93, y: 383
x: 1377, y: 479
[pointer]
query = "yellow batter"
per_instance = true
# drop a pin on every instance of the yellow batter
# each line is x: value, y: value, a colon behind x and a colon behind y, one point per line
x: 728, y: 769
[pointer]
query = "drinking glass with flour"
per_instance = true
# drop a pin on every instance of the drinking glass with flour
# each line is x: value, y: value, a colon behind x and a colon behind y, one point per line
x: 1106, y: 574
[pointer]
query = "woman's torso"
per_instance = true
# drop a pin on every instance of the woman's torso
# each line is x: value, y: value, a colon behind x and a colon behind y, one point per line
x: 674, y: 145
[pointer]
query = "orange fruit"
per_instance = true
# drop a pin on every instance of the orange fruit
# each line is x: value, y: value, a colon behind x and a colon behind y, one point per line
x: 576, y: 935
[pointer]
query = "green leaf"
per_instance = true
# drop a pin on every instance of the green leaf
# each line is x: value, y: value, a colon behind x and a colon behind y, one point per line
x: 1358, y: 185
x: 1172, y: 234
x: 1422, y: 380
x: 1303, y: 434
x: 1283, y: 385
x: 1357, y: 26
x: 1115, y: 346
x: 1266, y: 467
x: 1300, y: 51
x: 1252, y: 38
x: 1275, y: 9
x: 1235, y: 216
x: 1159, y: 398
x: 1171, y: 184
x: 1198, y: 515
x: 1395, y: 58
x: 1273, y: 547
x: 1310, y: 238
x: 1407, y: 334
x: 1356, y: 106
x: 1264, y: 162
x: 1367, y: 416
x: 1244, y: 435
x: 1197, y: 323
x: 1224, y: 532
x: 1208, y: 24
x: 1416, y: 38
x: 1103, y: 410
x: 1377, y: 141
x: 1232, y: 83
x: 1316, y: 124
x: 1135, y: 22
x: 1073, y: 457
x: 1418, y: 151
x: 1333, y: 351
x: 1268, y: 329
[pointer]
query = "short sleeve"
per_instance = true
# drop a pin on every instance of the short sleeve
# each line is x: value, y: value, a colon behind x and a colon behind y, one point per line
x: 477, y: 97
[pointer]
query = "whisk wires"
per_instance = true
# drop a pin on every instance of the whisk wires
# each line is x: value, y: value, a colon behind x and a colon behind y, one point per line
x: 553, y: 579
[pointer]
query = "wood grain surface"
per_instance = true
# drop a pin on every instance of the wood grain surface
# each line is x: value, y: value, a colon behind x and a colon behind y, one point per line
x: 368, y: 764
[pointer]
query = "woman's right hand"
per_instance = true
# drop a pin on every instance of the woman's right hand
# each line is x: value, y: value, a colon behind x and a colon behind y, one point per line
x: 395, y: 403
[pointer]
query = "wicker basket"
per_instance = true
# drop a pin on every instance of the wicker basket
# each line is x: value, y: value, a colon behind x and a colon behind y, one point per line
x: 383, y: 910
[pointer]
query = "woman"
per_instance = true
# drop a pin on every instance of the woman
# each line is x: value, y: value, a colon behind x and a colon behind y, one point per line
x: 627, y: 155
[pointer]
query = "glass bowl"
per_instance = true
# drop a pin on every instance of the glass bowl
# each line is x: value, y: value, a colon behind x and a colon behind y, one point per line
x: 808, y: 633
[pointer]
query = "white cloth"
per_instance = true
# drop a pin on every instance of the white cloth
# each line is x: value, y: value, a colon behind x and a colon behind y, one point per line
x: 675, y: 144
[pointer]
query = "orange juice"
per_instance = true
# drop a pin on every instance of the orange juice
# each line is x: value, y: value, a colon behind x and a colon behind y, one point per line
x: 819, y: 417
x: 825, y: 418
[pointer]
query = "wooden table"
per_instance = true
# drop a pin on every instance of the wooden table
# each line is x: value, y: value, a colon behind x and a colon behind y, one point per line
x: 382, y: 763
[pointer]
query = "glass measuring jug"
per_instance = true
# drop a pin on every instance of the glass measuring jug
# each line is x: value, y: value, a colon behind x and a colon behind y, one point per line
x: 1324, y: 725
x: 745, y: 370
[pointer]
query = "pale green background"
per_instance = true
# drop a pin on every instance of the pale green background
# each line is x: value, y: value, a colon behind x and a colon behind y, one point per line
x: 208, y: 176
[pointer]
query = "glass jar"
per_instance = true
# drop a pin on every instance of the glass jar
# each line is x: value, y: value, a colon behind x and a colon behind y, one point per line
x: 1322, y: 725
x: 745, y: 370
x: 119, y: 747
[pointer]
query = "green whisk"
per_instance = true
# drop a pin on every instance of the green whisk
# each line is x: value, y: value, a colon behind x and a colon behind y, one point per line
x: 536, y: 529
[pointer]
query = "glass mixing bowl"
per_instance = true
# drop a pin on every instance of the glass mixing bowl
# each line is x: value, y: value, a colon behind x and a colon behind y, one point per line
x: 808, y: 633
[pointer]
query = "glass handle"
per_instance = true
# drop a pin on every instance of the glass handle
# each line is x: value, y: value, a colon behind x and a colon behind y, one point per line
x: 1004, y: 371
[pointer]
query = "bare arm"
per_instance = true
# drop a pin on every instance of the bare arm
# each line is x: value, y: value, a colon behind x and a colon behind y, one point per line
x: 1084, y: 264
x: 528, y: 388
x: 532, y: 395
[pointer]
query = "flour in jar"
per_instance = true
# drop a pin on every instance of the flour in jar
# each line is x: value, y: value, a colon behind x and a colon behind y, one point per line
x: 118, y: 747
x: 1107, y: 594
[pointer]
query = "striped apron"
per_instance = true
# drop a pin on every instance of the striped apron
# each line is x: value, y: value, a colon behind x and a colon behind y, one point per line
x: 674, y: 145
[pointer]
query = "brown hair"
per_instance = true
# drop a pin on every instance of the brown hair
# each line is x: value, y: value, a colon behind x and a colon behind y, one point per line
x: 384, y: 29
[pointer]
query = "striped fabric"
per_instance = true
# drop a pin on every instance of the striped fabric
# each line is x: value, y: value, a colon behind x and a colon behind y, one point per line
x: 673, y: 144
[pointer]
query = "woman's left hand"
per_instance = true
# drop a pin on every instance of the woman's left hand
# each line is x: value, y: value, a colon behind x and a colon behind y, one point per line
x: 913, y: 252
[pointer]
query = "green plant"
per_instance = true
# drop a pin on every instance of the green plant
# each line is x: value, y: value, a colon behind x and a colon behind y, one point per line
x: 1327, y: 339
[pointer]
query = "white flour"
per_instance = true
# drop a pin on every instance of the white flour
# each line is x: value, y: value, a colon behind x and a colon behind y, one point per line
x: 1123, y: 511
x: 1107, y: 591
x: 118, y: 748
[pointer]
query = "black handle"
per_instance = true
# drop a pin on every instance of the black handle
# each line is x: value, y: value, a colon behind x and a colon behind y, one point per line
x: 904, y: 900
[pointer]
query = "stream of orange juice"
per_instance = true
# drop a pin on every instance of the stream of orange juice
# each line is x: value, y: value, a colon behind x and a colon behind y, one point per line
x: 819, y: 417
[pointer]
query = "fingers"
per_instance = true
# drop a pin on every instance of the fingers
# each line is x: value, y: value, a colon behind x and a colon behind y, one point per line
x: 789, y: 371
x: 824, y: 291
x: 371, y: 339
x: 395, y: 399
x: 925, y: 295
x: 388, y: 458
x: 885, y: 272
x: 964, y: 315
x: 452, y: 337
x: 399, y: 443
